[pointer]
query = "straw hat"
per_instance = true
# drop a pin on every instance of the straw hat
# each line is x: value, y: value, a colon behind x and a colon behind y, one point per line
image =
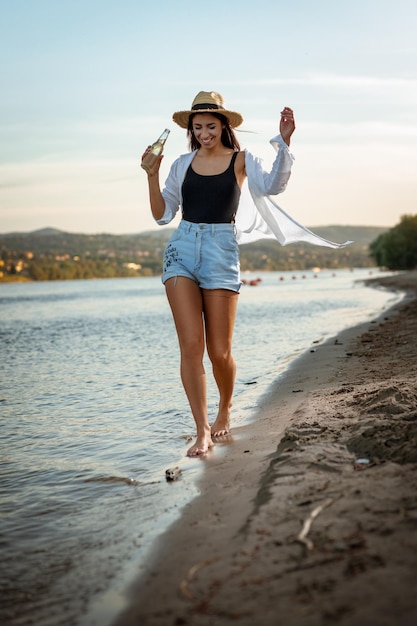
x: 207, y: 102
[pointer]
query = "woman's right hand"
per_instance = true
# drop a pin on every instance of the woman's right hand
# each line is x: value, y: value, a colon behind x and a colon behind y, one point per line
x: 153, y: 169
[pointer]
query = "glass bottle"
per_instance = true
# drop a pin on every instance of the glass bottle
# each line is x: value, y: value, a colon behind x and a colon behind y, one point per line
x: 156, y: 149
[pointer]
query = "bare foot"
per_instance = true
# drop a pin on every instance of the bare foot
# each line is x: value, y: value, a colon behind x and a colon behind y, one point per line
x: 221, y: 426
x: 201, y: 447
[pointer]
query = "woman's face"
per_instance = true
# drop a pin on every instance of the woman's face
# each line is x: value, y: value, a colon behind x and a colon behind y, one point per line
x: 207, y: 130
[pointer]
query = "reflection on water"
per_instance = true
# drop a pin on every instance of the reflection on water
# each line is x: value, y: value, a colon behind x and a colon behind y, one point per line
x: 92, y: 413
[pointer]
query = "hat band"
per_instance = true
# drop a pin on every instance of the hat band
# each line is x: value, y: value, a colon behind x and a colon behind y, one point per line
x: 197, y: 107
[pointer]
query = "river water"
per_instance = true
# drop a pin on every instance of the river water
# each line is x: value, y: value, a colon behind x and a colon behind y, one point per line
x: 92, y: 413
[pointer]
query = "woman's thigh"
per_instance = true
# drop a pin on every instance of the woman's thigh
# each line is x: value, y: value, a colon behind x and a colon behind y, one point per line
x: 186, y: 302
x: 219, y: 316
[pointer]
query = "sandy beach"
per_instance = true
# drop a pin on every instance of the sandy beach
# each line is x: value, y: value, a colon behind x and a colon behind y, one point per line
x: 308, y: 515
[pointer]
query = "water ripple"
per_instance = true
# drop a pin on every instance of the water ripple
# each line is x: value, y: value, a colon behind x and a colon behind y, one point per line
x: 92, y: 413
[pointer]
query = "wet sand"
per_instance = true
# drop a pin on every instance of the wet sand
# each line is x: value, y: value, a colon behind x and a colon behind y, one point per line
x: 308, y: 516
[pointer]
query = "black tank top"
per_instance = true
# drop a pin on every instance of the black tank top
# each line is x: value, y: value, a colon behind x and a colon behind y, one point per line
x: 211, y: 199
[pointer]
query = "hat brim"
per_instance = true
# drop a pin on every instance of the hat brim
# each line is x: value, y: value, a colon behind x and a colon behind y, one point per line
x: 181, y: 117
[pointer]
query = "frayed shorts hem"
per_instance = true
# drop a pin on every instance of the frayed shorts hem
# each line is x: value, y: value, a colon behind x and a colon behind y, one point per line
x: 236, y: 288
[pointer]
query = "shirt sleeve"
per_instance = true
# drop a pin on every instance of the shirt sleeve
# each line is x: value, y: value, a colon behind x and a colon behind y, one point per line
x: 171, y: 195
x: 274, y: 182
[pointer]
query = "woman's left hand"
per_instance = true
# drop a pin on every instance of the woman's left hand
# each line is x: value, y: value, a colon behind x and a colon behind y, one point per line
x: 287, y: 124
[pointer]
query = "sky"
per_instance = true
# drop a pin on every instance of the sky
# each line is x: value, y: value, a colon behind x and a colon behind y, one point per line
x: 86, y: 85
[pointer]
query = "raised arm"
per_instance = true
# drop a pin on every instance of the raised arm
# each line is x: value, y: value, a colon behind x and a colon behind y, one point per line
x: 287, y: 124
x: 275, y: 181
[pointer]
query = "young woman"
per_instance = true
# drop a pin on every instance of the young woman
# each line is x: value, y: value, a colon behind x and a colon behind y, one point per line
x: 201, y: 270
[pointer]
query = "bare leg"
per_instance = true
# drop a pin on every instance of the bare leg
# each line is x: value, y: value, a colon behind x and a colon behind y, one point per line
x: 219, y: 314
x: 186, y: 302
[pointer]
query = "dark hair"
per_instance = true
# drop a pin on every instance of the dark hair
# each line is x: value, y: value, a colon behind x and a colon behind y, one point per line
x: 228, y: 137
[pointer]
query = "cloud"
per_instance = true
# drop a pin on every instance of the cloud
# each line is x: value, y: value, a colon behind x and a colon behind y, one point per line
x: 362, y: 131
x: 79, y: 195
x: 322, y: 80
x: 334, y: 80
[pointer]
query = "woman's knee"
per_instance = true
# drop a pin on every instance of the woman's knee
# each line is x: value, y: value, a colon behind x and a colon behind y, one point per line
x: 220, y: 356
x: 192, y: 348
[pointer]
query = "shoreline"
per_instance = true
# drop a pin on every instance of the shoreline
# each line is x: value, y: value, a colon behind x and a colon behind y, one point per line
x: 237, y: 548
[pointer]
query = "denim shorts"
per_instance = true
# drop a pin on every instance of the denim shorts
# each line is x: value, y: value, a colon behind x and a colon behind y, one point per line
x: 206, y: 253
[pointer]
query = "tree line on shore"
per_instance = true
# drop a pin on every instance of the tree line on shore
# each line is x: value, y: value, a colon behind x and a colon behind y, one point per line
x: 396, y: 249
x: 50, y: 254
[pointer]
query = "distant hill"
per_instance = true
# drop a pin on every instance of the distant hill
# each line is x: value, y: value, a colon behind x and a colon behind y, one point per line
x: 267, y: 255
x: 53, y: 241
x: 360, y: 235
x: 48, y: 253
